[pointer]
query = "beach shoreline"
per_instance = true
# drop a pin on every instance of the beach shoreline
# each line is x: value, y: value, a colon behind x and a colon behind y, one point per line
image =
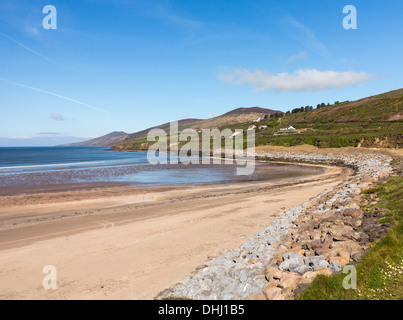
x: 319, y: 236
x: 24, y: 195
x: 160, y: 232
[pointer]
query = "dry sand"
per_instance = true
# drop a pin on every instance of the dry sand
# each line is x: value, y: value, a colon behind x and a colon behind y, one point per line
x: 133, y: 244
x: 396, y: 153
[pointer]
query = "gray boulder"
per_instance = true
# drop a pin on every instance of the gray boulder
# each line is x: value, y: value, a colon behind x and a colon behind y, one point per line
x: 302, y: 269
x: 292, y: 262
x: 335, y: 266
x: 316, y: 263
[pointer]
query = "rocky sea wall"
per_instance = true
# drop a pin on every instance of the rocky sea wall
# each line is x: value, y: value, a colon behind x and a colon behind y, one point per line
x: 320, y: 236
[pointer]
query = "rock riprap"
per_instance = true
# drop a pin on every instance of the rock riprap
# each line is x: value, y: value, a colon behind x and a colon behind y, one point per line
x: 320, y: 236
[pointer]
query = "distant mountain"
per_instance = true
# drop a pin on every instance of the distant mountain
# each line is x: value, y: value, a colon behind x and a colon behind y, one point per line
x: 229, y: 118
x: 235, y: 116
x: 123, y: 139
x: 137, y: 141
x: 256, y: 110
x: 182, y: 124
x: 371, y: 121
x: 108, y: 140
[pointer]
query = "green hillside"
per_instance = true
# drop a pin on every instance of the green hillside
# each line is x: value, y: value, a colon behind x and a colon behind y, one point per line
x: 138, y: 140
x: 375, y: 121
x: 380, y: 108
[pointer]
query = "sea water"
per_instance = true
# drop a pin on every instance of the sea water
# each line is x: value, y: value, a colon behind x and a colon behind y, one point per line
x: 26, y: 166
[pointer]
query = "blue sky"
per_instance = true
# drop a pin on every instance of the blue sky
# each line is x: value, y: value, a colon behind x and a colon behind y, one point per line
x: 125, y: 65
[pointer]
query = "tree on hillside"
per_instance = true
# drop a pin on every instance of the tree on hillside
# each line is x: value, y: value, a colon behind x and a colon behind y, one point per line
x: 296, y: 110
x: 308, y: 108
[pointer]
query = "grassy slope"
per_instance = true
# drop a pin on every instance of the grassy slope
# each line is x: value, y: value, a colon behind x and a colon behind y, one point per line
x: 139, y: 140
x: 370, y: 122
x: 380, y: 273
x: 141, y: 143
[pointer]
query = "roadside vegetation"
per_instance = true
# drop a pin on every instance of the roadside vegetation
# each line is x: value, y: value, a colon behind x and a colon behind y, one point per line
x: 380, y: 273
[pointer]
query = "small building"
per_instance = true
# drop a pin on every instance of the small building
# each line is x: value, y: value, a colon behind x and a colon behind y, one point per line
x: 289, y: 128
x: 235, y: 134
x: 257, y: 120
x: 262, y: 127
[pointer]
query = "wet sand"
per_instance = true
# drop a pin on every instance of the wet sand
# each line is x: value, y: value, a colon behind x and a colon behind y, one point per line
x: 119, y: 242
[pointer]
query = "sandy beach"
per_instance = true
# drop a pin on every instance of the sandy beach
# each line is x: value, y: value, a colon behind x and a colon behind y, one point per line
x: 130, y: 243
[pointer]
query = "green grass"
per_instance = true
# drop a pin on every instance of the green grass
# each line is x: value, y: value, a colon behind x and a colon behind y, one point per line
x: 380, y: 273
x: 321, y: 138
x: 347, y: 124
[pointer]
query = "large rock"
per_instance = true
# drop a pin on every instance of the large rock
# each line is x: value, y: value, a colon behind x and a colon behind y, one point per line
x: 316, y: 262
x: 290, y: 282
x: 353, y: 213
x: 348, y: 245
x: 335, y: 266
x: 340, y: 231
x: 270, y: 271
x: 325, y: 271
x: 321, y: 247
x: 303, y: 269
x: 274, y: 294
x: 292, y: 261
x: 384, y: 174
x: 339, y: 255
x: 278, y: 256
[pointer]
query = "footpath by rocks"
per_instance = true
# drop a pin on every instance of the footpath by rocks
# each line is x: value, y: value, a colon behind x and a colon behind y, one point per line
x: 320, y: 236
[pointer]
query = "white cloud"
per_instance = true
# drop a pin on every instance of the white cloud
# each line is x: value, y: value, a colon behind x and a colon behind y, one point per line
x: 301, y: 80
x: 57, y: 117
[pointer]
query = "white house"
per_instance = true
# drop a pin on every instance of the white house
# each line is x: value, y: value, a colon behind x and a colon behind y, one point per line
x: 235, y: 134
x: 289, y: 128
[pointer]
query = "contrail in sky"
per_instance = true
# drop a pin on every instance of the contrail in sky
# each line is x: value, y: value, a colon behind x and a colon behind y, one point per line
x: 56, y: 95
x: 27, y: 48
